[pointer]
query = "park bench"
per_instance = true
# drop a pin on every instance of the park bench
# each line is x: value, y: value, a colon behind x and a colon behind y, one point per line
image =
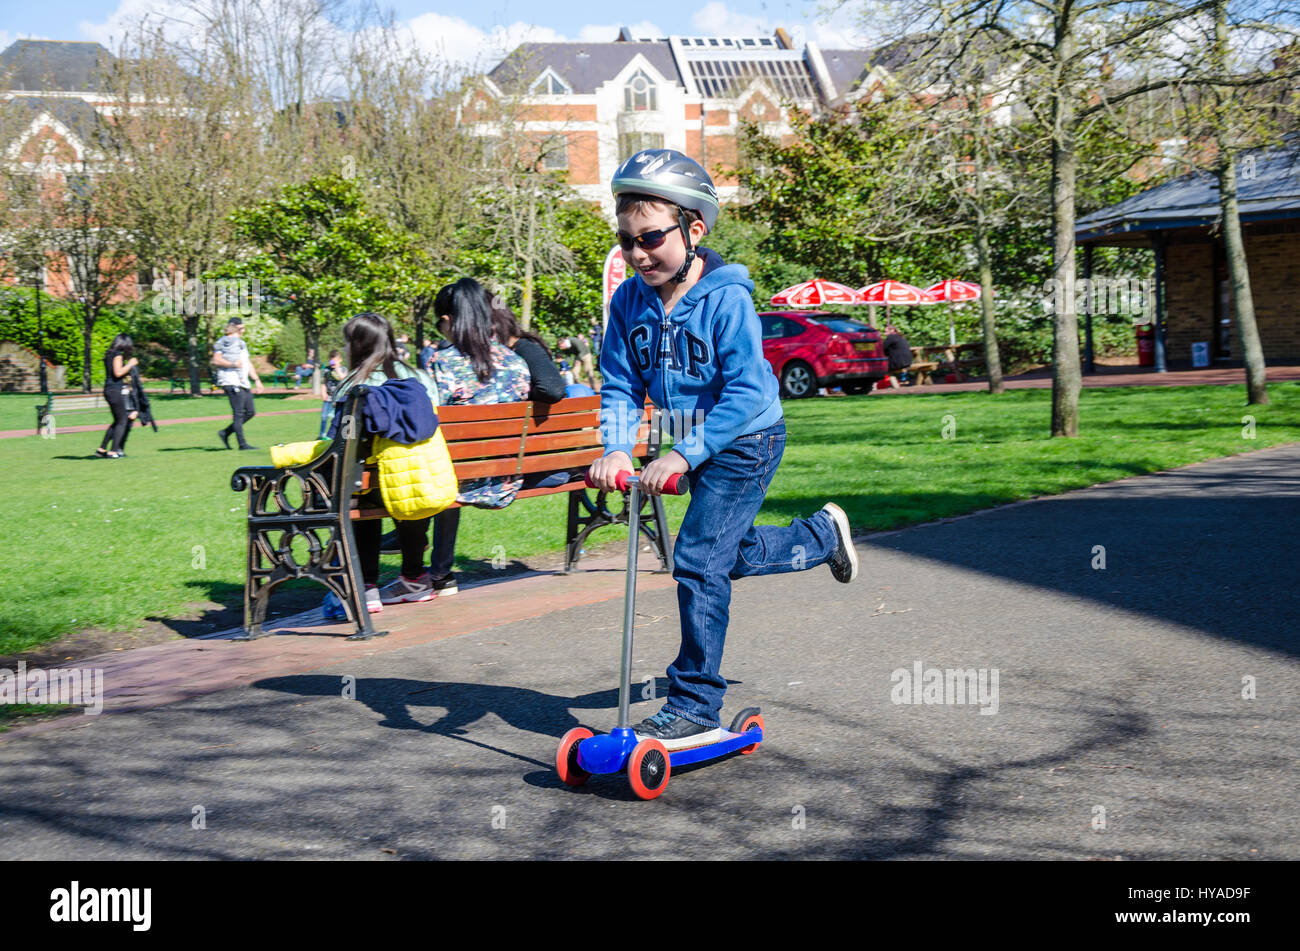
x: 70, y: 403
x: 315, y: 503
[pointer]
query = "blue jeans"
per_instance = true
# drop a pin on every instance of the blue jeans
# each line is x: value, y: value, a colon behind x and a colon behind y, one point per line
x: 718, y: 541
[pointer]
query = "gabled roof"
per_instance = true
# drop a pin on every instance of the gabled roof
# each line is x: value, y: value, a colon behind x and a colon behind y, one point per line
x: 50, y: 66
x: 1268, y: 189
x: 77, y: 115
x: 584, y: 66
x: 847, y: 67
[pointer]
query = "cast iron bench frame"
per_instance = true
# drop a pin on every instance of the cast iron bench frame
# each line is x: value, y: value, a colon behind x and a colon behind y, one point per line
x: 502, y: 439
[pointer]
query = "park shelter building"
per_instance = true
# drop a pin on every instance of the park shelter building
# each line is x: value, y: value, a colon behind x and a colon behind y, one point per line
x: 1179, y: 221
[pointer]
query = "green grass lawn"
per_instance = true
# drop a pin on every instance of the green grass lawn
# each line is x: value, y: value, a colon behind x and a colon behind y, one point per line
x: 107, y: 544
x: 18, y: 410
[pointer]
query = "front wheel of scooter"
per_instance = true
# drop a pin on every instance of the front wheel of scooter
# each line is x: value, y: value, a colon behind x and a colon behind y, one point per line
x: 648, y: 769
x: 566, y: 757
x: 746, y: 719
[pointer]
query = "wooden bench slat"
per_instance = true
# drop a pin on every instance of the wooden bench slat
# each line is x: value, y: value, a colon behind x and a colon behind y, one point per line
x: 509, y: 448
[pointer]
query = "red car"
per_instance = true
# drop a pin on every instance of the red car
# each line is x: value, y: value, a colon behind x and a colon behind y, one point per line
x: 809, y: 349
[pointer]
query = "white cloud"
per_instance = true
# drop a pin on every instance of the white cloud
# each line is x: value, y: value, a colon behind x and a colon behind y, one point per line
x: 836, y: 30
x: 460, y: 42
x: 7, y: 39
x: 173, y: 17
x: 470, y: 46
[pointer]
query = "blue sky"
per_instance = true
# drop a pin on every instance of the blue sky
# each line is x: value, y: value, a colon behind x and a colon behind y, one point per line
x: 487, y: 25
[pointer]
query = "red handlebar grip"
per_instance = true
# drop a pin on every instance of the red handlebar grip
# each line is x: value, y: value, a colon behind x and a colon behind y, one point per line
x: 677, y: 483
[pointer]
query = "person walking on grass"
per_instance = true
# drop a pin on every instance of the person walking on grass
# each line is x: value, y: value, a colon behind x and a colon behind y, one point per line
x: 234, y: 370
x: 119, y: 361
x: 683, y: 330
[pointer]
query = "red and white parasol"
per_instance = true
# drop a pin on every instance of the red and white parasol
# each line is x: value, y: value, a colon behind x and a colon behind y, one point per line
x: 893, y: 292
x: 815, y: 293
x: 953, y: 292
x: 890, y: 293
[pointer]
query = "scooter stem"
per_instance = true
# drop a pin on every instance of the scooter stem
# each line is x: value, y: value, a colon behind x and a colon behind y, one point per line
x: 629, y: 597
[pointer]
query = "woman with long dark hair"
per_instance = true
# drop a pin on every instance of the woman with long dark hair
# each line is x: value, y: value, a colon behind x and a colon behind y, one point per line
x: 119, y: 360
x: 477, y: 368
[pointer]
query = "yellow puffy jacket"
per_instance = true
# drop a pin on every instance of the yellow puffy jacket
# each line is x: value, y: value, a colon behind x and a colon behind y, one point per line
x: 416, y: 480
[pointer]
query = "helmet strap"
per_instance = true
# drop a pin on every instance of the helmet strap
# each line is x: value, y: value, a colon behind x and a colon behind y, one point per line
x: 684, y: 224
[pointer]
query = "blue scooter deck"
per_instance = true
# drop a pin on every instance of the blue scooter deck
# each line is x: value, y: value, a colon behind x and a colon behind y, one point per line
x: 729, y: 743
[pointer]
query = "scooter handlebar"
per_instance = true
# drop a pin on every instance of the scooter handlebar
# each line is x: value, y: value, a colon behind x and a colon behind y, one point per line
x: 677, y: 483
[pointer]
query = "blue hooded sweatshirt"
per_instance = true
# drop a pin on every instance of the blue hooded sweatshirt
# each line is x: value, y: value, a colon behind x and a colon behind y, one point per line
x: 703, y: 363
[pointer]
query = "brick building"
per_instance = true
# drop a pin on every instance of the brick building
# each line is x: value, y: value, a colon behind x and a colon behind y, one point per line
x: 600, y: 102
x: 1177, y: 220
x: 53, y: 103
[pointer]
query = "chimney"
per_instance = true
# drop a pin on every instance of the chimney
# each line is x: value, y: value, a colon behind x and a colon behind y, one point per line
x: 783, y: 39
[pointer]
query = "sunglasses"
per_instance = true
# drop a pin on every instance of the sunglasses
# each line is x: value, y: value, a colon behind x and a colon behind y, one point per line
x: 649, y: 240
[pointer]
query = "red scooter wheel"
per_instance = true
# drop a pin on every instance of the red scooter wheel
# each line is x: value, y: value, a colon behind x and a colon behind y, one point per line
x: 648, y: 769
x: 566, y: 757
x: 752, y: 721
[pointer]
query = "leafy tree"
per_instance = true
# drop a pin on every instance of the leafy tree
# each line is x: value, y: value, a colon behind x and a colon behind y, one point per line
x: 566, y: 300
x: 325, y: 256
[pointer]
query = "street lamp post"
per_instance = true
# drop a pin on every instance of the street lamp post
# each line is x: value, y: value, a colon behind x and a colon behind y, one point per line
x: 40, y: 329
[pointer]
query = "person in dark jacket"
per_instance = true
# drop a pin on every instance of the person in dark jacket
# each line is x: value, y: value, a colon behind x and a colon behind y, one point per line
x: 545, y: 383
x: 119, y: 392
x: 898, y: 352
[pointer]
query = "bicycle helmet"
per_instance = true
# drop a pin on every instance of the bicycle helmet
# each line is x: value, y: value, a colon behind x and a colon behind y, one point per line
x: 676, y: 178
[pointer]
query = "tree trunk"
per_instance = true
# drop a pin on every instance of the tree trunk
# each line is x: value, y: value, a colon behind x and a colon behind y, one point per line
x: 992, y: 360
x: 191, y: 323
x: 88, y: 316
x: 526, y: 318
x: 1066, y: 378
x: 1243, y: 303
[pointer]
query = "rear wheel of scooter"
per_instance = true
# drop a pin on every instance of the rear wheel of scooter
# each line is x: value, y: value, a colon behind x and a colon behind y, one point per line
x: 566, y: 757
x: 648, y: 769
x: 746, y: 719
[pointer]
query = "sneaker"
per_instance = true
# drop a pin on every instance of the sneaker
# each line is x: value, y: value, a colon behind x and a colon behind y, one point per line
x: 373, y: 604
x: 246, y: 446
x: 224, y: 436
x: 445, y: 587
x: 404, y: 590
x: 844, y: 560
x: 676, y: 733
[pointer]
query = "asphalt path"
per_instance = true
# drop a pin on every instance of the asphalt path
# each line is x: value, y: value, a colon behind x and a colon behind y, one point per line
x: 1120, y: 726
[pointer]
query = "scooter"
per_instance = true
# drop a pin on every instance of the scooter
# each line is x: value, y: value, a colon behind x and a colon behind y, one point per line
x: 648, y: 763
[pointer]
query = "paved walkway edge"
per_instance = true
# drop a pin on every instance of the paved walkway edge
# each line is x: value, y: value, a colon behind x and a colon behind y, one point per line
x: 155, y: 676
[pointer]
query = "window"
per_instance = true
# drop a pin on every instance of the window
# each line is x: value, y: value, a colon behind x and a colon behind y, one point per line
x: 555, y: 153
x: 639, y: 93
x: 550, y: 84
x: 774, y: 328
x: 629, y: 143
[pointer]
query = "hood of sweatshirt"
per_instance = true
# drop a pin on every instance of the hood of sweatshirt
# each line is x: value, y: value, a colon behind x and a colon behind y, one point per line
x: 702, y: 363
